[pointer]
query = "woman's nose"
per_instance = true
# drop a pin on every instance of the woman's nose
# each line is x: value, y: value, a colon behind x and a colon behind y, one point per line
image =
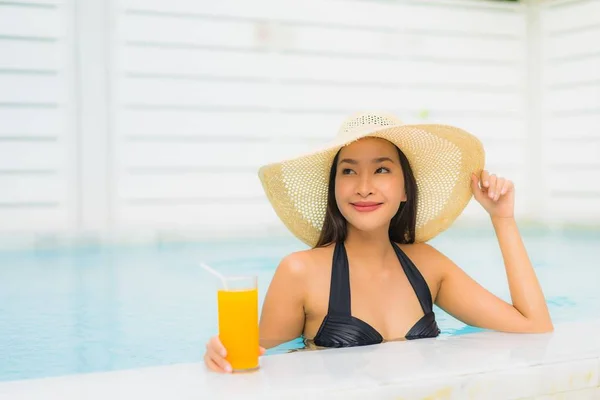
x: 364, y: 186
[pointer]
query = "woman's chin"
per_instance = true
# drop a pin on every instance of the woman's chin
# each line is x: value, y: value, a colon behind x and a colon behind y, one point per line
x: 366, y: 222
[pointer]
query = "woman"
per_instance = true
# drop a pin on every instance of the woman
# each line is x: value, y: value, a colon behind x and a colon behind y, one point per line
x: 369, y: 276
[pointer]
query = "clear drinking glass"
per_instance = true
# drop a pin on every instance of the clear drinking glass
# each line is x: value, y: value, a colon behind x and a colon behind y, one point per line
x: 238, y: 321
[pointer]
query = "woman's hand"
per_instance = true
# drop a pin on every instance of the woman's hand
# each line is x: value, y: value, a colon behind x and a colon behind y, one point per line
x: 214, y: 358
x: 495, y: 194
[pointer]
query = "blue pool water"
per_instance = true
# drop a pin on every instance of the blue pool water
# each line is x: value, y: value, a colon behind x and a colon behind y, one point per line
x: 100, y: 309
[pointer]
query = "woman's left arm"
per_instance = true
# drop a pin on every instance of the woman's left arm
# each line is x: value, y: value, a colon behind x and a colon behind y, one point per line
x: 465, y: 299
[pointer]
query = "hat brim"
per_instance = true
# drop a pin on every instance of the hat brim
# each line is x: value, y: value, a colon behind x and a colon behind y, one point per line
x: 442, y: 158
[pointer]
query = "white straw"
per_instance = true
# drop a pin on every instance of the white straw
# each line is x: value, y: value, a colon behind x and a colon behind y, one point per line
x: 215, y: 273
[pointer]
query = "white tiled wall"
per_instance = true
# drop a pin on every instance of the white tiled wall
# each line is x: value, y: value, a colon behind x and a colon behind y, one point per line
x: 155, y: 114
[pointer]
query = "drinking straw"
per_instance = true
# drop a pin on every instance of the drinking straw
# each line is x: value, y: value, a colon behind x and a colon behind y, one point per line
x: 215, y: 273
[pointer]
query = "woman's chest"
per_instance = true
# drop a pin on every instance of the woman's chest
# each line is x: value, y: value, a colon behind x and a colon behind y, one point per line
x: 387, y: 302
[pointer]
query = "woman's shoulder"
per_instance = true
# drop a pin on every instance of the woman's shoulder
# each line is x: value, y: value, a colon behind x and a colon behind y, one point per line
x: 430, y: 263
x: 423, y: 255
x: 415, y: 248
x: 302, y: 262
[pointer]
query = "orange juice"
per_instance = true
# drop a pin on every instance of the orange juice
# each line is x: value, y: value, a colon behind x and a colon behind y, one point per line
x: 238, y: 327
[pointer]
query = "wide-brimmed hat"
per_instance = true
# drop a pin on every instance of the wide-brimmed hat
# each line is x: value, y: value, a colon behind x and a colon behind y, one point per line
x: 442, y: 158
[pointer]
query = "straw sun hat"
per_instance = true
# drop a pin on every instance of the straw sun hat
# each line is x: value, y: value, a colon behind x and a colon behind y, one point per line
x: 442, y: 158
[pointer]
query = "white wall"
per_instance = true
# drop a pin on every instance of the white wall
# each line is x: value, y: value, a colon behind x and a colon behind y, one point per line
x: 161, y: 111
x: 37, y: 145
x: 571, y: 109
x: 206, y: 92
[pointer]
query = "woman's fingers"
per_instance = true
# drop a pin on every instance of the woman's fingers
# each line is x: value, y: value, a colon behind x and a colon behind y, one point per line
x: 508, y: 185
x: 492, y: 186
x: 216, y: 345
x: 215, y: 356
x: 478, y: 191
x: 216, y: 363
x: 485, y: 179
x: 498, y: 190
x: 498, y: 187
x: 221, y: 363
x: 210, y: 364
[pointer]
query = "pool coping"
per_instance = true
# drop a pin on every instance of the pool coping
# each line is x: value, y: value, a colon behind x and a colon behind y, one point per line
x: 483, y: 365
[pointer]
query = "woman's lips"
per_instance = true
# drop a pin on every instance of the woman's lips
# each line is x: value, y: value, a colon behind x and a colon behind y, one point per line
x: 365, y: 207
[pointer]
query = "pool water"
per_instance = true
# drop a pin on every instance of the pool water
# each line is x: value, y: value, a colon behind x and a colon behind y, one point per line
x: 108, y: 308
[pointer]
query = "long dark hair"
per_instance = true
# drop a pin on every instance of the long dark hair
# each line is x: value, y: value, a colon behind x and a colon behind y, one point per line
x: 402, y: 225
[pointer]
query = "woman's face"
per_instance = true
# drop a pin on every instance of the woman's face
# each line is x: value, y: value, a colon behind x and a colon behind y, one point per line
x: 369, y: 184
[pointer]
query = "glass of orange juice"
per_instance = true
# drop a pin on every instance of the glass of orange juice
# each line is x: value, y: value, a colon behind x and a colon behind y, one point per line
x: 238, y: 321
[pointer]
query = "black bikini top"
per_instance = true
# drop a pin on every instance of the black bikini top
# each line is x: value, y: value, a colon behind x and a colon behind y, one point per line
x: 340, y: 329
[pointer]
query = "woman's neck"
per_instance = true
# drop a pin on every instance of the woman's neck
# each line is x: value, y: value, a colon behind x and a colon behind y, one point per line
x: 369, y: 248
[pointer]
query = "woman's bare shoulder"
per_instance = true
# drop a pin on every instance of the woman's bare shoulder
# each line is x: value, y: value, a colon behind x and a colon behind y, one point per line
x: 303, y: 262
x: 427, y: 260
x: 423, y: 255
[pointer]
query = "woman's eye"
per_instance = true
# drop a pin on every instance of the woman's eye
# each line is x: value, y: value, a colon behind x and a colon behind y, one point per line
x: 347, y: 171
x: 382, y: 169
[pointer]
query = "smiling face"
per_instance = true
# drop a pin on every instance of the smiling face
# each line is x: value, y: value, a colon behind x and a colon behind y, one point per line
x: 369, y: 183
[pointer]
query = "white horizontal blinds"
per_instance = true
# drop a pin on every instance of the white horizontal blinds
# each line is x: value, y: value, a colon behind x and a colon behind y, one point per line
x: 499, y: 117
x: 35, y: 147
x: 571, y: 92
x: 208, y: 91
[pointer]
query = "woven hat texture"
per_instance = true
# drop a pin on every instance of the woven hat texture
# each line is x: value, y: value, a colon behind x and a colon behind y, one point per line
x: 442, y: 158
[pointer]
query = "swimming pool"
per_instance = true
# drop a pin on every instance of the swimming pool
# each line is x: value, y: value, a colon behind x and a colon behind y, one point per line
x: 108, y: 308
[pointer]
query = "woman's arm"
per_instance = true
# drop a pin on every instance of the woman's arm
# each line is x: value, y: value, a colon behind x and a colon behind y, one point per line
x: 282, y: 316
x: 525, y: 290
x: 462, y: 297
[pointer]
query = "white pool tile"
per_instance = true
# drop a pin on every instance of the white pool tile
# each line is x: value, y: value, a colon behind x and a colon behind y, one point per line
x: 448, y: 389
x: 502, y: 385
x: 486, y: 365
x: 570, y: 376
x: 583, y: 394
x: 533, y: 381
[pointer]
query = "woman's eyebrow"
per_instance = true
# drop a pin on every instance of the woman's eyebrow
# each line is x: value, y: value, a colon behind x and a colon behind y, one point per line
x: 382, y: 159
x: 377, y: 160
